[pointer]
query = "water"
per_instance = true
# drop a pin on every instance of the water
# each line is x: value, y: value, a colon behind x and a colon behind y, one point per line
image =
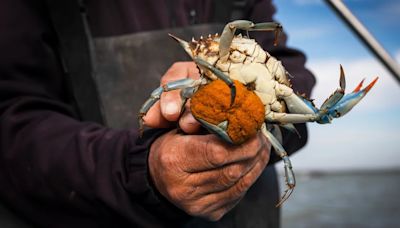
x: 369, y: 199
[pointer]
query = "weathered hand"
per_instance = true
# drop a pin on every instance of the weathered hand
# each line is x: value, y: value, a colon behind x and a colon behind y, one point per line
x: 204, y: 176
x: 168, y: 109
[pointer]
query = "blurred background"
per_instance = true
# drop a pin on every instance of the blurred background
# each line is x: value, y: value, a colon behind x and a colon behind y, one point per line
x: 348, y: 175
x: 349, y: 172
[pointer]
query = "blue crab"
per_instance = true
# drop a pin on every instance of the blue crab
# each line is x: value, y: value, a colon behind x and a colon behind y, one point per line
x: 230, y: 57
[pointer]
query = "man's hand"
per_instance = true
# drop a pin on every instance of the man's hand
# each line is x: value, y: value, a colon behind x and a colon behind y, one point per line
x: 168, y: 109
x: 204, y: 176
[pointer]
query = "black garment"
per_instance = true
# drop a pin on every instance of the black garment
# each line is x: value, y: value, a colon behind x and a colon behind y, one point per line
x: 57, y: 171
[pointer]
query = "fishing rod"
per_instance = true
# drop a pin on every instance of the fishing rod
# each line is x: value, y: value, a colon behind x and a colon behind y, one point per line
x: 366, y: 37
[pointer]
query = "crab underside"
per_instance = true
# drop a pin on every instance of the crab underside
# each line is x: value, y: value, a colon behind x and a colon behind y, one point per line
x: 243, y: 90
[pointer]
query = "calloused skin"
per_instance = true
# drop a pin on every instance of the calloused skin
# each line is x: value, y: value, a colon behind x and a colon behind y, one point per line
x: 200, y: 174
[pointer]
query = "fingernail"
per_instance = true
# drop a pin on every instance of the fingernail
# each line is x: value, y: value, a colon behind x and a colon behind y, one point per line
x: 171, y: 108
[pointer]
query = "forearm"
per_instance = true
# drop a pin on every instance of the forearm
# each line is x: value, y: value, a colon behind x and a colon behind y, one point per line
x: 53, y: 165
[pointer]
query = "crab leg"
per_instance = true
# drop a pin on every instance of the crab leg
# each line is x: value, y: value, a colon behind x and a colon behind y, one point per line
x: 286, y: 118
x: 220, y: 75
x: 156, y: 94
x: 229, y: 32
x: 269, y: 26
x: 295, y: 102
x: 289, y: 174
x: 346, y: 103
x: 308, y: 113
x: 303, y: 110
x: 210, y: 67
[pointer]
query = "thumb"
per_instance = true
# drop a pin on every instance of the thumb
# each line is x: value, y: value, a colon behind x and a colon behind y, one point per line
x: 171, y: 104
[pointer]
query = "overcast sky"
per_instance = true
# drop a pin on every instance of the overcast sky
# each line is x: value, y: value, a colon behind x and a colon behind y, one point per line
x: 369, y: 136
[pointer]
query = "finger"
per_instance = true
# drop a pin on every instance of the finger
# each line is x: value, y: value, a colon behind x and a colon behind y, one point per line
x: 220, y: 200
x: 241, y: 187
x: 193, y: 71
x: 188, y: 123
x: 201, y: 208
x: 196, y: 186
x: 209, y: 152
x: 221, y: 179
x: 180, y: 70
x: 171, y: 102
x: 224, y: 178
x: 154, y: 119
x: 217, y: 214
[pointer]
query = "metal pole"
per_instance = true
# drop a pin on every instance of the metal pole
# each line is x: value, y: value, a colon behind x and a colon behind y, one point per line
x: 343, y: 12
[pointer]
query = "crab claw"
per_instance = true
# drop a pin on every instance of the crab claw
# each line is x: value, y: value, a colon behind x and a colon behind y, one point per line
x: 219, y: 75
x: 337, y: 95
x: 347, y: 102
x: 269, y: 26
x: 219, y: 129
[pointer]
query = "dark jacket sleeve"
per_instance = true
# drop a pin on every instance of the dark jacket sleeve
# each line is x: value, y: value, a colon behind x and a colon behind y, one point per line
x: 293, y: 60
x: 57, y: 171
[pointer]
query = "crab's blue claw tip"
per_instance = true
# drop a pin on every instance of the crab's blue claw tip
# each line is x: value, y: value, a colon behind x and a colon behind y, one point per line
x: 348, y: 101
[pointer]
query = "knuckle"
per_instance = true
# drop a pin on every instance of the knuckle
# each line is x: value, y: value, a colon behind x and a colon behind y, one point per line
x: 195, y: 210
x: 237, y: 193
x: 188, y: 192
x: 244, y: 185
x: 253, y: 152
x: 232, y: 174
x: 183, y: 193
x: 217, y: 156
x: 180, y: 195
x: 166, y: 159
x: 252, y: 148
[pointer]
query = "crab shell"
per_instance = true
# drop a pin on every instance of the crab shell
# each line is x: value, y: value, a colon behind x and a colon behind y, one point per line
x: 247, y: 63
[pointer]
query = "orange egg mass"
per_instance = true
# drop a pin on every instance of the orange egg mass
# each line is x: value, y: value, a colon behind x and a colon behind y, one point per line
x: 245, y: 117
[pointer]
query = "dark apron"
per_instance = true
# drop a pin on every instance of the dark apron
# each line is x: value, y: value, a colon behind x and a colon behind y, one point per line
x: 129, y: 67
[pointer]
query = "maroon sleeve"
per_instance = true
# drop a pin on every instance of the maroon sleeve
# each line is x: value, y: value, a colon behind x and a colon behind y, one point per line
x: 293, y: 60
x: 57, y: 171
